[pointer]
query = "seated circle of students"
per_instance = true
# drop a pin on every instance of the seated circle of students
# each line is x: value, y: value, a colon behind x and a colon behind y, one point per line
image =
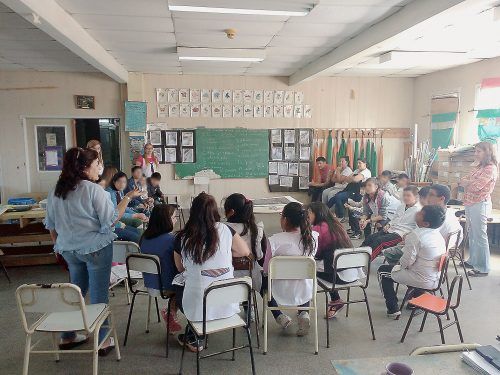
x: 386, y: 184
x: 127, y: 228
x: 439, y: 195
x: 332, y: 236
x: 203, y: 252
x: 338, y: 179
x: 134, y: 182
x: 352, y: 189
x: 401, y: 224
x: 375, y: 205
x: 239, y: 213
x: 154, y: 192
x: 403, y: 181
x: 297, y: 239
x: 80, y: 218
x: 419, y: 265
x: 423, y: 194
x: 316, y: 187
x: 158, y: 240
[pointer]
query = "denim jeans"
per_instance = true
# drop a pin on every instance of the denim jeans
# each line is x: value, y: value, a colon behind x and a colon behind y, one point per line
x: 277, y: 313
x: 91, y: 273
x: 479, y: 248
x: 128, y: 234
x: 338, y: 201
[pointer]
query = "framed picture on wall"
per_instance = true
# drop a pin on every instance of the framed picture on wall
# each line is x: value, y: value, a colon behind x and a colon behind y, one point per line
x: 172, y: 95
x: 183, y: 95
x: 205, y: 95
x: 85, y: 102
x: 50, y: 143
x: 227, y: 96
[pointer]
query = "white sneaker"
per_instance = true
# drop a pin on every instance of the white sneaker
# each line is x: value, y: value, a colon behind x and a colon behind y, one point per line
x: 394, y: 315
x: 284, y: 321
x: 304, y: 323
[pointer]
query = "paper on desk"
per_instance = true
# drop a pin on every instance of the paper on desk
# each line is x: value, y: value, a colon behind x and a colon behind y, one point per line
x: 120, y: 272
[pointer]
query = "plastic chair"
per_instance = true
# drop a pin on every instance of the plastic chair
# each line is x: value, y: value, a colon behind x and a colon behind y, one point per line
x: 442, y: 268
x: 63, y: 309
x: 438, y: 306
x: 120, y: 251
x: 149, y: 264
x: 291, y: 268
x: 223, y: 292
x: 348, y: 259
x: 458, y: 253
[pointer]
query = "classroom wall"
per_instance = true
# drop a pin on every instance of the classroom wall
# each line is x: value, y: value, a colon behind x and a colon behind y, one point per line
x: 338, y: 102
x: 463, y: 79
x: 45, y: 94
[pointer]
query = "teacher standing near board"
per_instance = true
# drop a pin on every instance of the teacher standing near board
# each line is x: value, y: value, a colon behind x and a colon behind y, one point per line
x: 479, y: 185
x: 148, y: 161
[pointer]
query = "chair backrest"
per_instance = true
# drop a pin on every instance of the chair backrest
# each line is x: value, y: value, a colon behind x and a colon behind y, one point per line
x: 123, y: 248
x: 443, y: 269
x: 229, y: 291
x: 358, y: 257
x: 50, y: 298
x: 454, y: 301
x: 457, y: 234
x: 146, y: 263
x: 292, y: 268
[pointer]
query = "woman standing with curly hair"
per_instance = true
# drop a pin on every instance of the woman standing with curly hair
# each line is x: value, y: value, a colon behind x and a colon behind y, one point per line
x: 80, y: 218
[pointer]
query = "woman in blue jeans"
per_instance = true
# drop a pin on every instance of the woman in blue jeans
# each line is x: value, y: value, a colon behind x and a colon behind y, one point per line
x: 80, y: 218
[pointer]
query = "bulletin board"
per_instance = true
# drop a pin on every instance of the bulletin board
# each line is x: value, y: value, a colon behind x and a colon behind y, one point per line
x: 173, y: 146
x: 290, y: 159
x: 135, y: 116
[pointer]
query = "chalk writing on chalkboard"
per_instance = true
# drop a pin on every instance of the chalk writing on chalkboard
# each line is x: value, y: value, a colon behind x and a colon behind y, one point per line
x: 135, y: 116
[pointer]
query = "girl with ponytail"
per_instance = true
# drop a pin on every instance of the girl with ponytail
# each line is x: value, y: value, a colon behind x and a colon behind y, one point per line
x: 240, y: 217
x: 297, y: 238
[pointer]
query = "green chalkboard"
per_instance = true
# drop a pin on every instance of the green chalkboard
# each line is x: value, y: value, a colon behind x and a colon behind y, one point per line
x: 230, y: 153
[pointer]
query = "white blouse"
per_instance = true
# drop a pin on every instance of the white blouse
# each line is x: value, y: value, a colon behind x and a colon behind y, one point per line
x: 291, y: 292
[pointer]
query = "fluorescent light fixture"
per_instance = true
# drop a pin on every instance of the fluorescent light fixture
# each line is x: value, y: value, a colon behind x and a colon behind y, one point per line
x: 221, y: 54
x: 255, y: 7
x: 215, y: 58
x: 410, y: 59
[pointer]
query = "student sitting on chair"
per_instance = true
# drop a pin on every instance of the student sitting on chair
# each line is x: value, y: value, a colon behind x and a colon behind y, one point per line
x: 352, y: 189
x: 239, y: 213
x: 403, y: 181
x: 386, y: 184
x: 134, y: 182
x: 203, y: 252
x: 439, y: 195
x: 419, y: 265
x: 338, y: 178
x: 375, y: 205
x: 154, y: 192
x: 158, y: 240
x: 126, y: 228
x: 395, y: 230
x: 325, y: 174
x: 297, y: 238
x: 423, y: 195
x: 332, y: 236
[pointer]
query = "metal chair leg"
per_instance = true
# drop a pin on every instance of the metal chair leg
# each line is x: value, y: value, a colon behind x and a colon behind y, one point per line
x: 183, y: 348
x: 198, y: 356
x: 5, y: 272
x: 458, y: 326
x: 369, y: 314
x: 157, y: 310
x: 347, y: 307
x: 465, y: 271
x: 440, y: 329
x: 251, y: 349
x: 327, y: 322
x: 408, y: 292
x: 148, y: 320
x: 168, y: 326
x: 256, y: 314
x: 129, y: 318
x: 407, y: 326
x: 264, y: 318
x: 234, y: 345
x: 423, y: 322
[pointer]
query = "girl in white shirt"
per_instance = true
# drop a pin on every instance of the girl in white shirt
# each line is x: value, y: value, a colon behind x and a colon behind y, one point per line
x: 297, y: 238
x: 204, y: 252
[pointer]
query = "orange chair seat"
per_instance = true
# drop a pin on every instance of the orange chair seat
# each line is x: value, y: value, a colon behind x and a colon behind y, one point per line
x: 429, y: 302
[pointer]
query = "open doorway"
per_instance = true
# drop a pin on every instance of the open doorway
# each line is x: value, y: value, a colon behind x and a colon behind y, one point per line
x: 105, y: 130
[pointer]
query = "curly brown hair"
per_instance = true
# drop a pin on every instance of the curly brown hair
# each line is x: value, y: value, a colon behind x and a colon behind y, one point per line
x: 75, y: 161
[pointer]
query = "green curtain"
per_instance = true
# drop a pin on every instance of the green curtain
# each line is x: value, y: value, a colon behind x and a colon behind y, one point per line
x: 441, y: 137
x: 488, y: 132
x: 374, y: 167
x: 488, y: 113
x: 444, y: 117
x: 329, y: 146
x: 356, y: 154
x: 368, y: 154
x: 342, y: 148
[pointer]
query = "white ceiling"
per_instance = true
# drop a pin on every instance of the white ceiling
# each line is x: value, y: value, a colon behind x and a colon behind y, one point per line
x: 144, y: 35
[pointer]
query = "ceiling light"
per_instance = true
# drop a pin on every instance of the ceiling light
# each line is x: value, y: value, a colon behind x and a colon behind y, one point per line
x: 214, y: 58
x: 221, y: 54
x: 255, y: 7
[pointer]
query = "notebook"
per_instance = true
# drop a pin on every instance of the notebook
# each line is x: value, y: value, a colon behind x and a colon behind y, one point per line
x: 478, y: 363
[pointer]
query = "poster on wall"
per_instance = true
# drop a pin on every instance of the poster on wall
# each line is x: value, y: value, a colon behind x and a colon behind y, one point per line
x: 136, y: 145
x: 53, y: 158
x: 135, y: 116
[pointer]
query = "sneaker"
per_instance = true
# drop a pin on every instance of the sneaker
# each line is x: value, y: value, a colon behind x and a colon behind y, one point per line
x: 190, y: 343
x: 350, y: 231
x: 355, y: 236
x: 304, y: 323
x: 394, y: 315
x: 333, y: 308
x: 284, y: 321
x: 173, y: 324
x: 343, y: 220
x: 468, y: 265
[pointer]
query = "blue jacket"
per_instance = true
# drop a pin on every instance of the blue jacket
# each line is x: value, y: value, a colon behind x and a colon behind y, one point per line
x: 131, y: 185
x: 112, y: 192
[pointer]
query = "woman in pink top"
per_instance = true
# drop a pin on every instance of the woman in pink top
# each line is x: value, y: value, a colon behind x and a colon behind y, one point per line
x: 332, y: 236
x: 148, y: 162
x: 478, y: 186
